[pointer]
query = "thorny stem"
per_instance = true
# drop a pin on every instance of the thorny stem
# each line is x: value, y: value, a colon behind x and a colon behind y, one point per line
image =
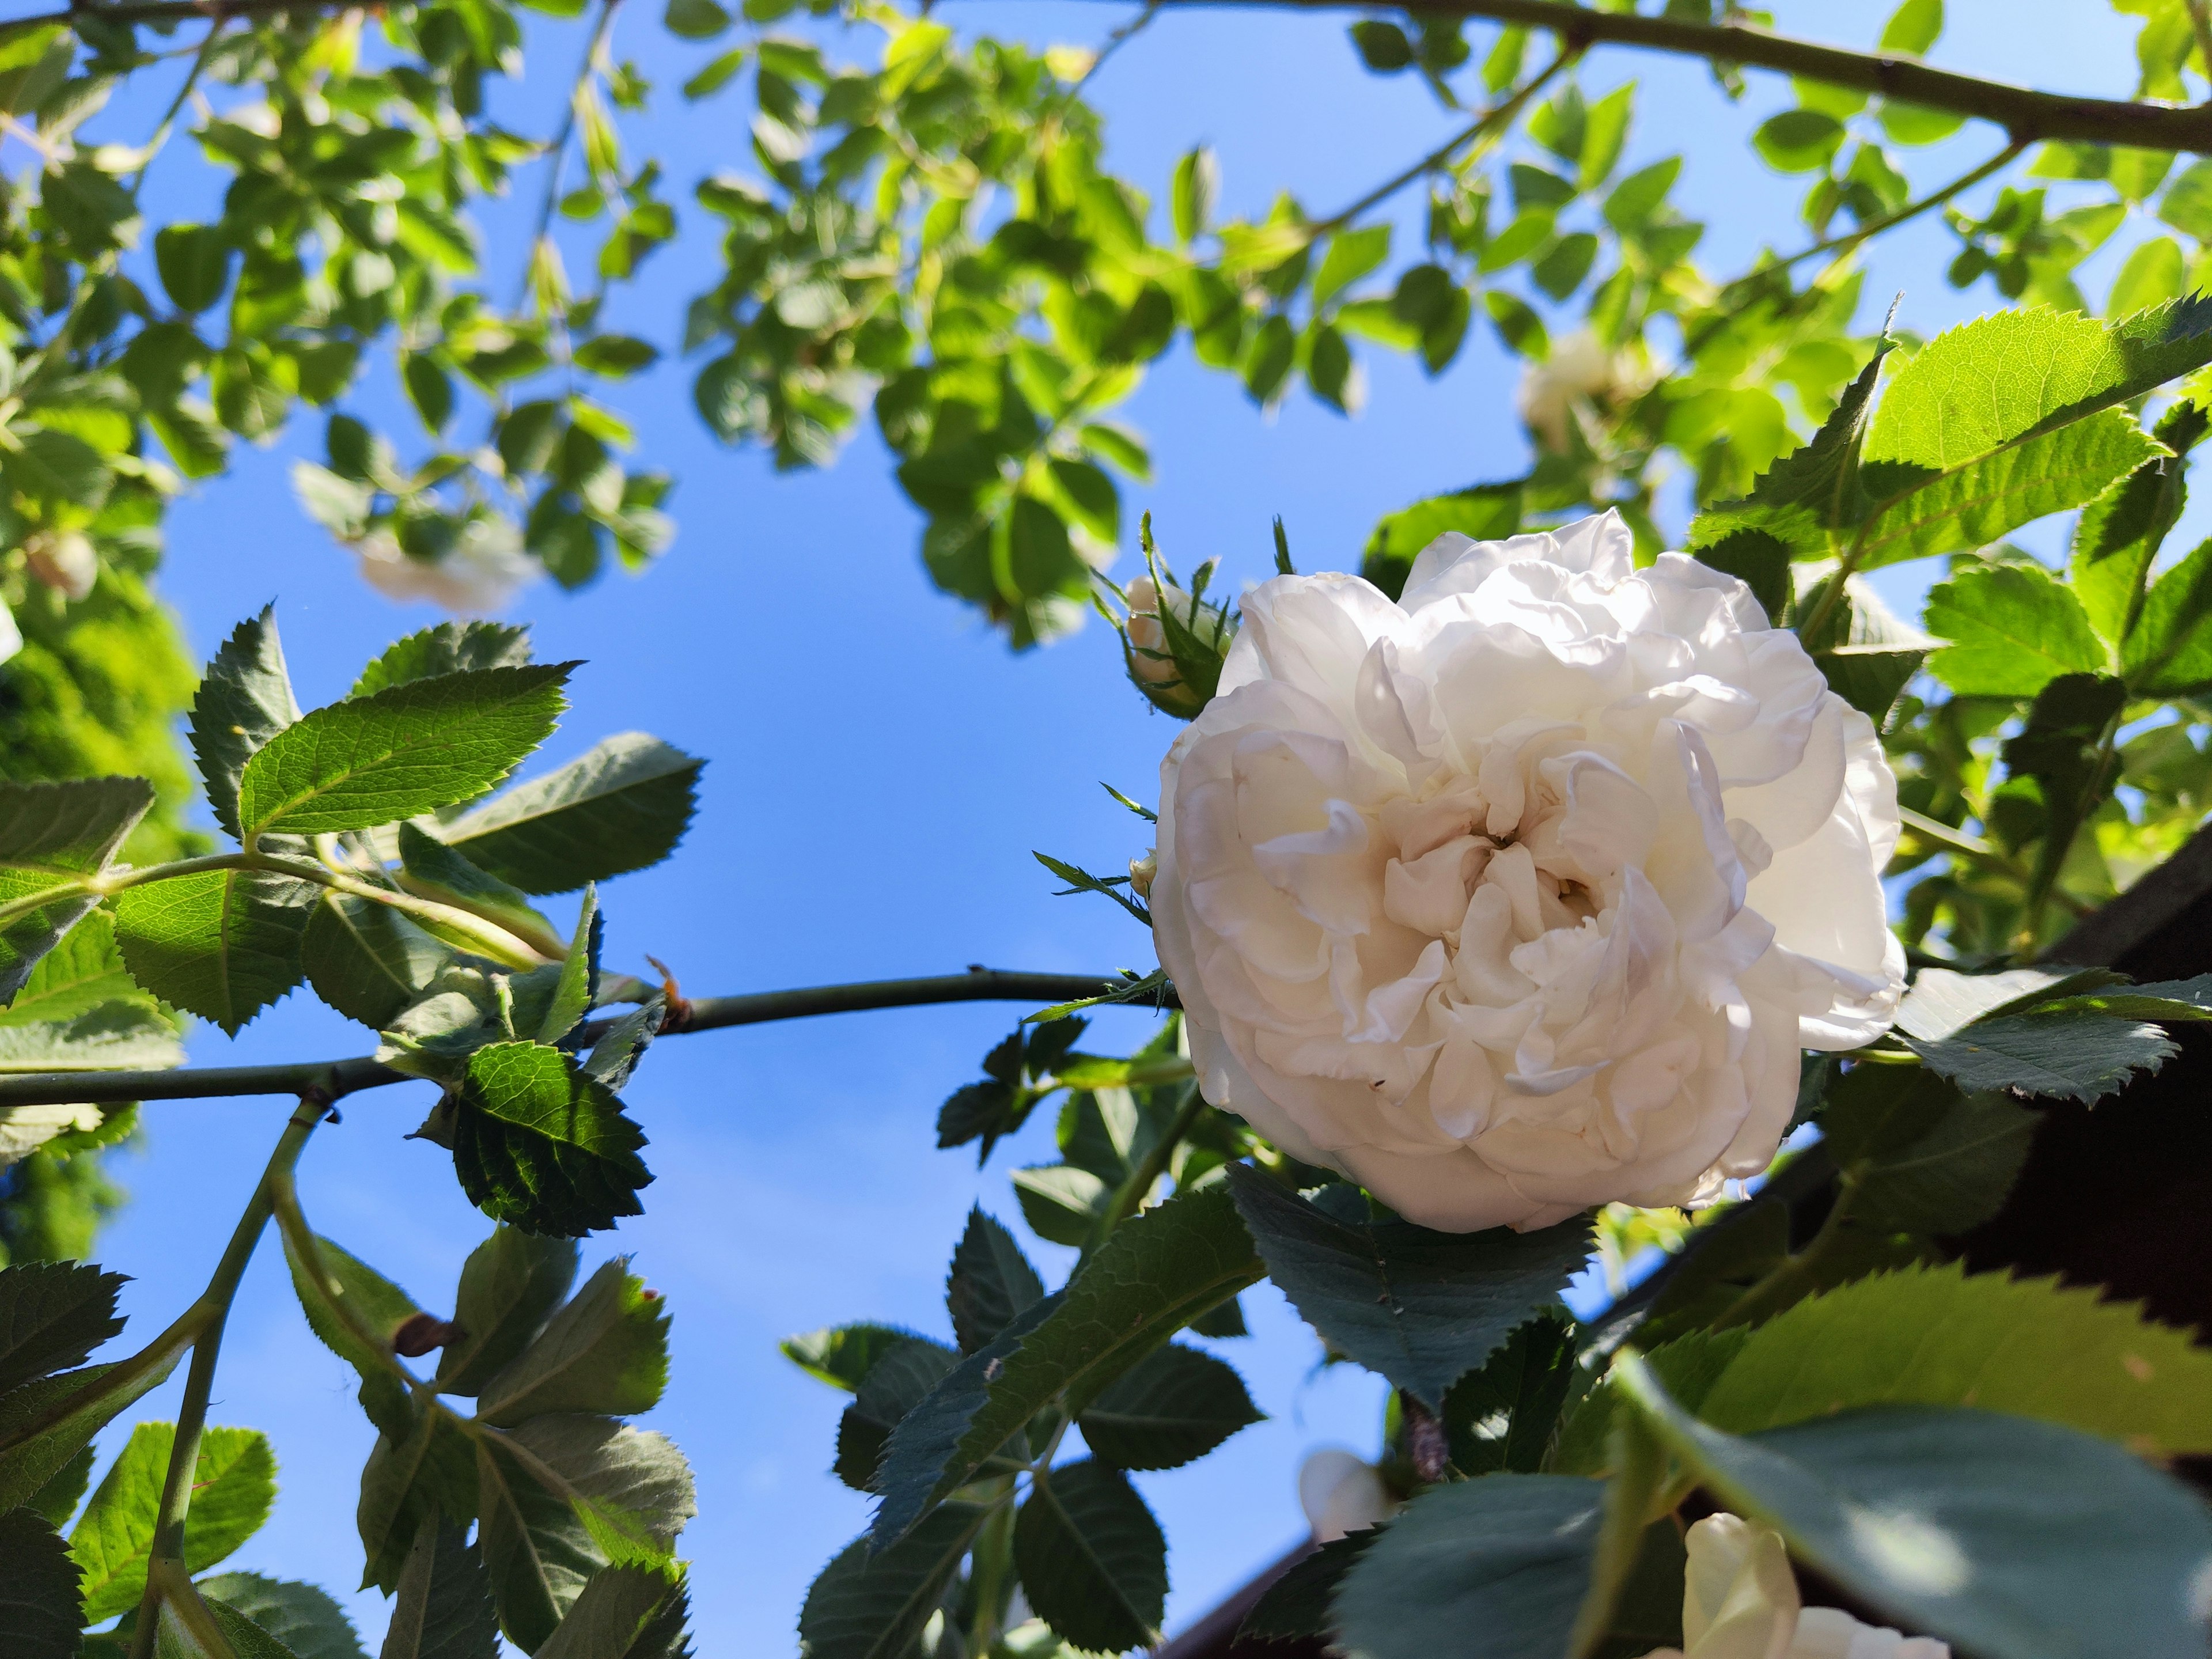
x: 166, y: 1565
x: 345, y: 1076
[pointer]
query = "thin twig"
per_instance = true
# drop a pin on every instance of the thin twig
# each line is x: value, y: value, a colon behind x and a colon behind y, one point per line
x: 1492, y: 120
x: 348, y: 1077
x: 1115, y: 42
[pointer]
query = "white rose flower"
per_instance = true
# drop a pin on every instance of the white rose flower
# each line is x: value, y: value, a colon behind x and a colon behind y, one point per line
x: 1577, y: 369
x: 1740, y: 1602
x: 482, y: 573
x: 1521, y: 894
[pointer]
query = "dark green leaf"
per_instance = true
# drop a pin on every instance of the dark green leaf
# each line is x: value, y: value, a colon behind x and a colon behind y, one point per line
x: 234, y: 1485
x: 622, y: 806
x: 625, y: 1612
x: 1170, y: 1409
x: 873, y: 1605
x: 1382, y: 46
x: 577, y: 988
x: 411, y: 1479
x: 356, y: 1311
x: 91, y: 207
x: 615, y: 1054
x: 52, y: 836
x: 1093, y: 1563
x: 538, y: 1551
x: 1422, y: 1307
x: 1808, y: 493
x: 194, y: 261
x: 57, y: 1499
x: 222, y: 943
x: 1798, y: 140
x: 2169, y: 652
x: 541, y: 1146
x: 366, y: 959
x: 46, y: 1423
x: 1155, y: 1273
x: 604, y: 1351
x: 40, y: 1607
x: 620, y: 355
x: 1295, y: 1606
x: 2064, y: 1055
x: 990, y: 1283
x: 245, y: 699
x: 1929, y: 1160
x: 449, y: 648
x: 1488, y: 1569
x: 1503, y: 1416
x: 631, y: 1489
x: 52, y: 1314
x: 843, y: 1354
x: 309, y: 1624
x: 510, y: 1285
x: 898, y: 1379
x: 443, y: 1609
x: 397, y: 753
x: 2008, y: 1537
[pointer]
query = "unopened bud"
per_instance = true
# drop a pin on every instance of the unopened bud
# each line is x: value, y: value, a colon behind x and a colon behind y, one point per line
x: 1141, y: 871
x: 1174, y: 642
x: 64, y: 560
x: 421, y: 1334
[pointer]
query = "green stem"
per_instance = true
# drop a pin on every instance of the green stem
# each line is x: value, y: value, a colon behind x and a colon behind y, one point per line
x: 301, y: 1239
x: 1132, y: 1192
x: 2058, y: 845
x: 346, y: 1076
x: 1792, y: 1277
x: 168, y: 1559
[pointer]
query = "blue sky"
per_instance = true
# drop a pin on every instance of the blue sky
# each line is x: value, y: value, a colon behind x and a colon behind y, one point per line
x: 881, y: 767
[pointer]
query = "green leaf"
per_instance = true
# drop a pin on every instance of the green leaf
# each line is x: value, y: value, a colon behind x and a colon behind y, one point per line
x: 309, y: 1624
x: 1295, y: 1606
x: 1605, y: 133
x: 578, y: 986
x: 1913, y: 28
x: 443, y: 1608
x: 451, y: 647
x: 510, y: 1285
x: 57, y: 1499
x: 2152, y: 275
x: 222, y: 943
x: 194, y: 261
x: 1927, y: 1160
x: 1689, y: 1365
x: 52, y: 1314
x: 408, y: 1482
x: 536, y: 1549
x: 991, y: 1282
x: 1093, y: 1562
x: 2013, y: 628
x: 1170, y: 1409
x: 2064, y: 1055
x: 91, y: 207
x: 1484, y: 512
x: 1805, y: 494
x: 52, y: 835
x: 1062, y: 1204
x: 1941, y: 1003
x: 695, y: 20
x: 400, y: 752
x: 624, y: 1612
x: 2006, y: 1537
x: 245, y: 699
x: 356, y: 1312
x: 2169, y: 652
x: 631, y: 1489
x: 1382, y: 46
x: 1488, y: 1569
x: 1195, y: 189
x: 873, y: 1604
x: 2187, y: 203
x: 621, y: 807
x: 1422, y: 1308
x: 1798, y: 140
x: 366, y: 959
x: 2004, y: 377
x: 898, y: 1379
x: 1351, y: 254
x: 1933, y: 1336
x: 605, y: 1351
x: 43, y: 1425
x: 541, y: 1145
x: 115, y: 1037
x: 234, y: 1485
x: 1158, y: 1271
x: 618, y: 356
x: 842, y: 1355
x: 85, y: 971
x: 1504, y: 1416
x: 2121, y: 532
x: 40, y: 1605
x: 1983, y: 500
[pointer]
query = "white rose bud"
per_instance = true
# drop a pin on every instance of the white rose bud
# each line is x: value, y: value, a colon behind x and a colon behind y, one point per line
x: 1175, y: 643
x: 1740, y: 1602
x: 1579, y: 369
x: 64, y: 560
x: 1141, y: 871
x: 1523, y: 894
x: 1342, y: 1494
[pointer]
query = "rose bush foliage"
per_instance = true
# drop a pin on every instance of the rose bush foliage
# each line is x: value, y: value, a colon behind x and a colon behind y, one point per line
x: 1524, y: 893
